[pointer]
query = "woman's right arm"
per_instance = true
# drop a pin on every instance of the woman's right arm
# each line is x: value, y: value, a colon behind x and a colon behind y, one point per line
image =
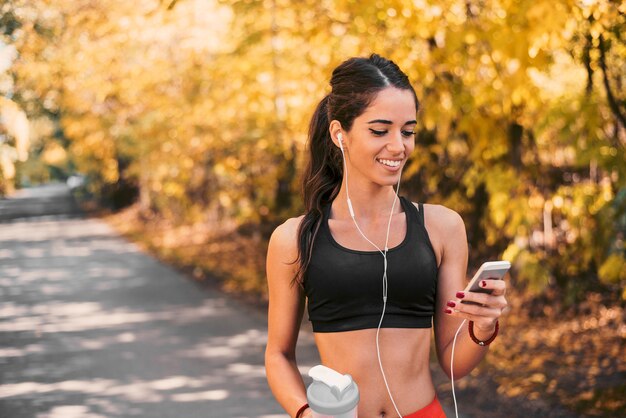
x: 286, y: 307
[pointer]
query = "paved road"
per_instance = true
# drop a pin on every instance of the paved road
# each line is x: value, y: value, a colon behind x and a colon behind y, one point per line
x: 91, y: 327
x: 52, y: 199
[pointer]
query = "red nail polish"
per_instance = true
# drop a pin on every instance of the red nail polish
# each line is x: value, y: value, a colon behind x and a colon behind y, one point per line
x: 451, y: 304
x: 460, y: 295
x: 448, y: 310
x: 483, y: 283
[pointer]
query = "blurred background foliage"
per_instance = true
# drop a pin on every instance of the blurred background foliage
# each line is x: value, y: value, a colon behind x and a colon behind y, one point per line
x: 196, y: 112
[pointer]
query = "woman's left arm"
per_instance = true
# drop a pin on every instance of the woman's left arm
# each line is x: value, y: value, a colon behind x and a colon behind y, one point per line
x: 449, y: 312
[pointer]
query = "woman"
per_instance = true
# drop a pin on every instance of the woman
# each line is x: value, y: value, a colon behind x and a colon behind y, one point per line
x: 360, y: 137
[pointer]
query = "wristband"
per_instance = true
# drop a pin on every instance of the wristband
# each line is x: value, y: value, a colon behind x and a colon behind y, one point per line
x: 301, y: 410
x: 479, y: 342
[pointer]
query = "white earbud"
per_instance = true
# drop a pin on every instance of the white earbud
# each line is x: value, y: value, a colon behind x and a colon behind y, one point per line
x: 340, y: 138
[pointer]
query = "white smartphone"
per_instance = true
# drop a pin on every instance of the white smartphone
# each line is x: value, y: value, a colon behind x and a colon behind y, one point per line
x: 494, y: 270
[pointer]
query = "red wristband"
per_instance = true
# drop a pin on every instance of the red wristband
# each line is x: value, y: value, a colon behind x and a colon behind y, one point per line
x: 301, y: 410
x: 486, y: 342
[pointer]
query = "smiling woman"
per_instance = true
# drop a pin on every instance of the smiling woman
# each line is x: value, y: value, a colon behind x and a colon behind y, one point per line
x: 375, y: 280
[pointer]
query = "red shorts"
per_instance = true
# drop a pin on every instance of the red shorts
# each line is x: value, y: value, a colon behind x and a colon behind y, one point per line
x: 432, y: 410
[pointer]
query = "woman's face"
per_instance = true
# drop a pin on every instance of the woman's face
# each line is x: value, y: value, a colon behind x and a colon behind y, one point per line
x: 383, y: 137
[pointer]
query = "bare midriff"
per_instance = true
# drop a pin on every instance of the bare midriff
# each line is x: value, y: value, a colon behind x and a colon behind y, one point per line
x: 405, y: 356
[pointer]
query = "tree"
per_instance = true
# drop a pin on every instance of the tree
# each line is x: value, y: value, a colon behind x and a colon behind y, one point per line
x: 199, y: 109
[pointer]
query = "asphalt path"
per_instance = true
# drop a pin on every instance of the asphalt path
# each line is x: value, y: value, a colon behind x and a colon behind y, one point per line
x: 92, y: 327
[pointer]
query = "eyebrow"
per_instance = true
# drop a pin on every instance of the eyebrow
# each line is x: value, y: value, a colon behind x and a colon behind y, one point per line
x: 388, y: 122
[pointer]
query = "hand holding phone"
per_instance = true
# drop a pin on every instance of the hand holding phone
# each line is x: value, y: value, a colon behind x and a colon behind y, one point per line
x: 491, y: 270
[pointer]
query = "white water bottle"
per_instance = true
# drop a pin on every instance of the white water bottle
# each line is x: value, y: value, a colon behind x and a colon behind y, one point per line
x: 332, y: 394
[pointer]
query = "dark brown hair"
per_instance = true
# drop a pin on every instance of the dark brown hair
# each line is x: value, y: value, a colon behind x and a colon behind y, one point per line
x: 355, y: 83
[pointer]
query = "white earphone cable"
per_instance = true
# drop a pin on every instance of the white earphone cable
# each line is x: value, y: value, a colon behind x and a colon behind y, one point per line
x: 384, y: 254
x: 456, y: 409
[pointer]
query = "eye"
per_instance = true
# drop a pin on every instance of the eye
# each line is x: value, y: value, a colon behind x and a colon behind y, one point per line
x: 408, y: 133
x: 378, y: 133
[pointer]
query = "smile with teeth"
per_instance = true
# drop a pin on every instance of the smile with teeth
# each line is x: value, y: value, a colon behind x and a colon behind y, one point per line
x: 389, y: 163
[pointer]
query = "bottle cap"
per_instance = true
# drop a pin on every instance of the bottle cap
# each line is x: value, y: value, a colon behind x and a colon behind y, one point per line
x: 331, y: 393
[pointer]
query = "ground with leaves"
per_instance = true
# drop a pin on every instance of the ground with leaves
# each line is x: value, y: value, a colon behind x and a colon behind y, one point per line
x: 553, y: 361
x: 549, y: 360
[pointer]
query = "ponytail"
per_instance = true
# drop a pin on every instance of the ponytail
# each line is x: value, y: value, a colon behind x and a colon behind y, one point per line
x: 321, y: 183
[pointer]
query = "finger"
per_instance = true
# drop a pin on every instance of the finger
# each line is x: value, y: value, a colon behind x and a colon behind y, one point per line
x: 476, y: 310
x: 478, y: 319
x: 497, y: 287
x: 483, y: 299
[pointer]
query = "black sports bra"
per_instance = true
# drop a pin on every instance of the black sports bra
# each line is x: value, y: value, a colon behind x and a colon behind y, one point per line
x: 344, y: 286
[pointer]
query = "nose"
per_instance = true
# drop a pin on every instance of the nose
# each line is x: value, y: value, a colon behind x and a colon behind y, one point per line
x: 396, y: 143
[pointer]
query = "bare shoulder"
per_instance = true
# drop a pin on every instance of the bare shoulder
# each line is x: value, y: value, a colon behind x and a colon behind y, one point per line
x: 284, y: 239
x: 443, y: 220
